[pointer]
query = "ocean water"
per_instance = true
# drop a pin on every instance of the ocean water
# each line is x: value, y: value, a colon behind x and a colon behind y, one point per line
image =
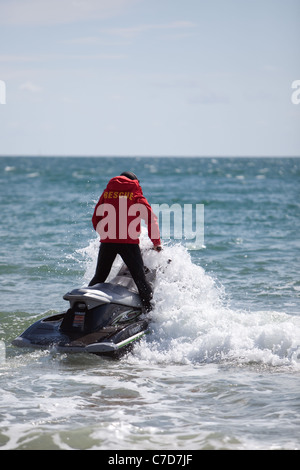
x: 221, y: 367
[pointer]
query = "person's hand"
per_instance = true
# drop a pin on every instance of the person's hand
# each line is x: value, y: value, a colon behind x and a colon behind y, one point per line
x: 157, y: 248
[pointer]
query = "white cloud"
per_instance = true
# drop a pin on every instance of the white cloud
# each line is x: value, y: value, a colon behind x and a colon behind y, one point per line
x: 122, y: 33
x: 31, y: 87
x: 59, y: 11
x: 54, y: 57
x: 208, y: 97
x: 135, y: 30
x: 17, y: 58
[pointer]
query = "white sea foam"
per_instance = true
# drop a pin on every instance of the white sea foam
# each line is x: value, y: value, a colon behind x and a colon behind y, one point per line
x: 193, y: 321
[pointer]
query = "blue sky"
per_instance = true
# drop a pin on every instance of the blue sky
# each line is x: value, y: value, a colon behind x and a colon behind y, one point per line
x: 150, y: 77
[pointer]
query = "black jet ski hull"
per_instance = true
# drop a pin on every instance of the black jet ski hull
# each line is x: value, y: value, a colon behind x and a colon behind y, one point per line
x: 105, y: 319
x: 113, y: 340
x: 102, y: 348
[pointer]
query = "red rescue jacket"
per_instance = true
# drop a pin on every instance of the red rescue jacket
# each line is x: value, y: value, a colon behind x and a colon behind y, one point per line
x: 118, y: 213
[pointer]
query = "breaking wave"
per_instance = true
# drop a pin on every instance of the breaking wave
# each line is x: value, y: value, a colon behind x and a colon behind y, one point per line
x: 194, y: 322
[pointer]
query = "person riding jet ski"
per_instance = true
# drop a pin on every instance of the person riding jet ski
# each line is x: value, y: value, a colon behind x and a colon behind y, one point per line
x: 117, y: 218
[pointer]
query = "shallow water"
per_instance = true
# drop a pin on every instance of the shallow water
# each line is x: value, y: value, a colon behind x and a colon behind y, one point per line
x: 220, y: 369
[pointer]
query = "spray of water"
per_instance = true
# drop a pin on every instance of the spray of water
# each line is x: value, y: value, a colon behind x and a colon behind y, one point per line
x: 192, y: 321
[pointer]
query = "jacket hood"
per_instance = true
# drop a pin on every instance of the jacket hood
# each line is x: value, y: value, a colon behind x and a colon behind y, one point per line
x: 124, y: 183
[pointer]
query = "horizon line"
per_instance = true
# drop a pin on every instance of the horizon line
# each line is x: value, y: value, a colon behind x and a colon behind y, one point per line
x: 143, y: 156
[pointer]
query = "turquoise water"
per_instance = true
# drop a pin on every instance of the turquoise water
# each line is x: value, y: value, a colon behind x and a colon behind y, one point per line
x: 221, y: 366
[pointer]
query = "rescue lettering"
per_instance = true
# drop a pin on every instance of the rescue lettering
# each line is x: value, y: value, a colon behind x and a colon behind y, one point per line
x: 118, y: 194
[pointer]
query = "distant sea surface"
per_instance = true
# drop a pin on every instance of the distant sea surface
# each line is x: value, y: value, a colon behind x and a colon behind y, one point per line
x: 221, y: 367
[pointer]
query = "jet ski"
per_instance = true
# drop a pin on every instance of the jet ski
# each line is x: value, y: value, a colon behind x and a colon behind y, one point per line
x: 106, y: 319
